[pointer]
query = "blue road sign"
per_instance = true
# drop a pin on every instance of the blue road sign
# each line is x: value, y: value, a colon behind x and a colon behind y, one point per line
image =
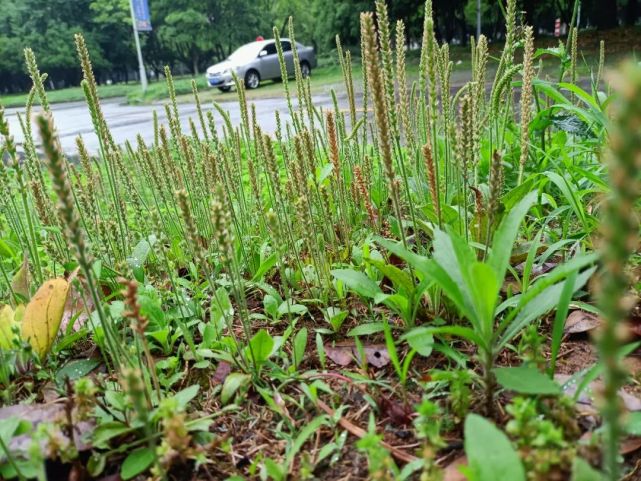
x: 143, y: 18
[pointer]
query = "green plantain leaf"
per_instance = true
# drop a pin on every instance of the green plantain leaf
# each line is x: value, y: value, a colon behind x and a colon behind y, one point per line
x: 357, y: 282
x: 490, y: 454
x: 526, y: 380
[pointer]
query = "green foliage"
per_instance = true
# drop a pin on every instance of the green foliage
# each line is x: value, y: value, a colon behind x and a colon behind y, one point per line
x: 489, y: 452
x: 220, y: 281
x: 137, y: 462
x: 526, y: 380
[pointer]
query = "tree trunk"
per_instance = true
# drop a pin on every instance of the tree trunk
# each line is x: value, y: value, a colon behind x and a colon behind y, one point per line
x: 194, y: 60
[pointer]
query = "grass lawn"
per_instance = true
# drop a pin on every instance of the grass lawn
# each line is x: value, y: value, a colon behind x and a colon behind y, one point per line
x: 323, y: 79
x: 70, y: 94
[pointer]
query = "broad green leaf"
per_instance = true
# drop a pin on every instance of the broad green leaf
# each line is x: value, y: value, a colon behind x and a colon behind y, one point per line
x: 107, y: 431
x: 335, y: 317
x: 485, y: 291
x: 420, y: 339
x: 558, y: 52
x: 270, y: 304
x: 43, y: 314
x: 8, y: 428
x: 76, y: 369
x: 6, y: 250
x: 551, y: 91
x: 490, y: 454
x: 286, y: 306
x: 260, y: 346
x: 186, y: 395
x: 367, y: 329
x: 209, y: 335
x: 582, y: 471
x: 320, y: 349
x: 151, y: 308
x: 141, y: 252
x: 220, y: 307
x: 526, y: 380
x: 451, y: 288
x: 357, y: 282
x: 570, y: 194
x: 202, y: 424
x: 415, y: 261
x: 137, y: 462
x: 571, y: 124
x: 514, y: 196
x: 269, y: 290
x: 233, y: 382
x: 265, y: 266
x: 274, y: 470
x: 463, y: 332
x: 399, y: 278
x: 409, y: 470
x: 300, y: 345
x: 505, y: 236
x: 324, y: 172
x: 161, y: 336
x: 96, y: 464
x: 452, y: 256
x: 632, y: 424
x: 537, y: 306
x: 397, y: 302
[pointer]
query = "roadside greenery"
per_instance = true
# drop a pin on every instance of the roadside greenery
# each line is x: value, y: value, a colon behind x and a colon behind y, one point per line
x: 379, y: 290
x: 190, y: 35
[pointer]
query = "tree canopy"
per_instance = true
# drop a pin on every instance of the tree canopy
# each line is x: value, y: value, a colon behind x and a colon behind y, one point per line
x: 190, y: 34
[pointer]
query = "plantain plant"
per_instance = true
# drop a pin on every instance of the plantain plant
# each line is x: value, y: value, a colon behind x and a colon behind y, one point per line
x: 473, y: 286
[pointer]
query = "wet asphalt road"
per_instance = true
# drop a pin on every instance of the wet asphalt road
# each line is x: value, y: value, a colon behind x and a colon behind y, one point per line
x: 126, y: 121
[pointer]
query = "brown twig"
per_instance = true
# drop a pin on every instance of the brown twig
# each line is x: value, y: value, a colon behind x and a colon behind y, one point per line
x: 361, y: 433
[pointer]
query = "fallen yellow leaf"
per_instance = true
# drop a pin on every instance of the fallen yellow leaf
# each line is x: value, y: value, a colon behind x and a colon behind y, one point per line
x: 7, y: 321
x: 42, y: 316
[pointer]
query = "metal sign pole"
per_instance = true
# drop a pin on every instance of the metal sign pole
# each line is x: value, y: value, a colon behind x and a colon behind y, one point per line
x: 141, y: 64
x: 478, y: 19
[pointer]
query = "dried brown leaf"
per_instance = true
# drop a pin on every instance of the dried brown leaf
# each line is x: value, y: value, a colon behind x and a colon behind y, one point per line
x: 587, y: 397
x: 400, y: 414
x: 452, y: 471
x: 222, y: 371
x: 514, y: 286
x: 630, y: 445
x: 45, y: 413
x: 633, y: 365
x: 345, y: 353
x: 341, y: 355
x: 361, y: 433
x: 581, y: 321
x: 50, y: 392
x: 376, y: 356
x: 76, y: 310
